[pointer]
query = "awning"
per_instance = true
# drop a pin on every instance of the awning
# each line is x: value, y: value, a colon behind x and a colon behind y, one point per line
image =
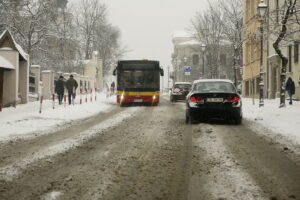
x: 4, y: 63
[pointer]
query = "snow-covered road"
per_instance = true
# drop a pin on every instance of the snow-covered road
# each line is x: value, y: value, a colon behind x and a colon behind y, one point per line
x: 147, y: 153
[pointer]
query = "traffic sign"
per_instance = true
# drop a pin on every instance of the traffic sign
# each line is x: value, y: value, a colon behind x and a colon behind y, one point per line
x: 187, y: 68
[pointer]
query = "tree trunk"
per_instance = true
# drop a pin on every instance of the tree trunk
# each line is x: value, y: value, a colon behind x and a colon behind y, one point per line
x: 284, y: 61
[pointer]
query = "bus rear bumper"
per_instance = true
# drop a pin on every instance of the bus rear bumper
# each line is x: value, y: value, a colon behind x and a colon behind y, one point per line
x: 137, y: 99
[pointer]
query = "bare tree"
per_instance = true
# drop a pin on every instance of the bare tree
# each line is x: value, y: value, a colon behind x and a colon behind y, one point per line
x: 107, y: 44
x: 90, y: 14
x: 209, y: 30
x: 27, y: 19
x: 284, y: 23
x: 233, y: 28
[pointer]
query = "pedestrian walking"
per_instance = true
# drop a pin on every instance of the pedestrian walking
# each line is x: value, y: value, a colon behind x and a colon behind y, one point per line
x: 71, y: 86
x: 60, y: 89
x: 112, y: 87
x: 290, y: 88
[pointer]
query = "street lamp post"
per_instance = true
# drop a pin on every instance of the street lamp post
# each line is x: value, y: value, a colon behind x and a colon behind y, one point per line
x: 262, y: 8
x: 203, y: 47
x: 185, y: 61
x: 168, y: 76
x: 235, y: 64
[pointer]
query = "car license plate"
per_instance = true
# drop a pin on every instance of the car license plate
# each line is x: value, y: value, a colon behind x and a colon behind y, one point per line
x: 214, y: 100
x: 138, y: 100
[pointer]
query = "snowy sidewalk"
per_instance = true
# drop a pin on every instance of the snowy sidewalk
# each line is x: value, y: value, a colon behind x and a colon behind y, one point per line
x: 284, y: 122
x: 25, y: 120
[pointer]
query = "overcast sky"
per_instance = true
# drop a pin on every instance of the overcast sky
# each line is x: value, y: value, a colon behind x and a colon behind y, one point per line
x: 147, y: 26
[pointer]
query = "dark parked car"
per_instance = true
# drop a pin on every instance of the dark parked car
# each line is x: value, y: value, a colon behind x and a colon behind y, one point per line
x: 179, y: 91
x: 213, y: 98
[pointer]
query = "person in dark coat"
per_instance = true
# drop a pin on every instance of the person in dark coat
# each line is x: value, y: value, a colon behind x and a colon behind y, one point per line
x: 290, y: 88
x: 60, y: 89
x: 112, y: 87
x: 71, y: 85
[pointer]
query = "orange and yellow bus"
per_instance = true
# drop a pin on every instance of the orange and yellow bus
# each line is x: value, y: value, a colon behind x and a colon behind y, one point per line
x: 138, y: 81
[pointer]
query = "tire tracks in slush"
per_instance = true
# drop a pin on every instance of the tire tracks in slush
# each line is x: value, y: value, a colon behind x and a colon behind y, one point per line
x: 141, y: 158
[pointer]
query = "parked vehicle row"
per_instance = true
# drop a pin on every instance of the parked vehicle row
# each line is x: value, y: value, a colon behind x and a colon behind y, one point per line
x: 209, y: 98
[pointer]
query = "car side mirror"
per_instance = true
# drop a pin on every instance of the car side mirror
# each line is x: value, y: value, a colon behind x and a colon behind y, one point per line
x: 115, y: 72
x: 239, y: 91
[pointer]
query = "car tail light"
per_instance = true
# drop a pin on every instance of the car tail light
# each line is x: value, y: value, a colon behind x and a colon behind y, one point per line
x: 200, y: 99
x: 233, y: 98
x: 196, y: 99
x: 192, y: 98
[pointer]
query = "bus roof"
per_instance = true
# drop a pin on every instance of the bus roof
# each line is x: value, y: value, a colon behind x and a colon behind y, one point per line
x: 138, y: 64
x: 137, y: 61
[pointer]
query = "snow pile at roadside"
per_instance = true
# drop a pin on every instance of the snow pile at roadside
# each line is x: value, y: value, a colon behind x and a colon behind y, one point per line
x: 10, y: 171
x: 283, y: 121
x: 25, y: 119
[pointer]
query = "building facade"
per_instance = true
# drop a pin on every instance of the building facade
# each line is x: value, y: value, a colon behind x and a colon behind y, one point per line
x: 14, y: 72
x: 289, y: 47
x: 272, y: 64
x: 252, y: 51
x: 94, y: 68
x: 187, y: 53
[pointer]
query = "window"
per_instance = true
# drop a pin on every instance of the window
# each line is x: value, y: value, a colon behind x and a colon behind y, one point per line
x: 290, y: 58
x: 195, y: 59
x: 296, y: 51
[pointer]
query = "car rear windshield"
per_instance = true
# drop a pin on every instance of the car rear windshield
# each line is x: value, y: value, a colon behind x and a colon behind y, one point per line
x: 183, y: 86
x: 204, y: 87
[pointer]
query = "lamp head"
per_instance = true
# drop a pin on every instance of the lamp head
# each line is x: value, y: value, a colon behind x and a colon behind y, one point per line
x: 262, y: 8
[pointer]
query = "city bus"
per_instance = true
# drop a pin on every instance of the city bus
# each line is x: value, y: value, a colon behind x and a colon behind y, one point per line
x: 138, y: 81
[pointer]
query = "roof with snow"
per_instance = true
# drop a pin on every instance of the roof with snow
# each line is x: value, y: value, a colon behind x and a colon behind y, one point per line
x: 190, y: 43
x: 7, y: 35
x: 181, y: 34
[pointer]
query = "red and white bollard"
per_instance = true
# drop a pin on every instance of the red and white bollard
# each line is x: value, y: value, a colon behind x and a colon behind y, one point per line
x: 65, y: 100
x: 107, y: 92
x: 95, y: 94
x: 80, y: 96
x: 53, y: 101
x: 73, y: 96
x: 41, y: 103
x: 91, y: 95
x: 86, y: 97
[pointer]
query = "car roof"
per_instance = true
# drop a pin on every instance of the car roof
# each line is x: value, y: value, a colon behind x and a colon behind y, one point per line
x: 213, y: 80
x: 182, y: 83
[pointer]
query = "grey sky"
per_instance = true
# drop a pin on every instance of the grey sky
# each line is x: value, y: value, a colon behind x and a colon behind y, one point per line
x: 147, y: 26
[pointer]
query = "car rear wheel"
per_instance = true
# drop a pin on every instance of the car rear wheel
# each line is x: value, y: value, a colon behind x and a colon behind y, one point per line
x: 189, y: 119
x: 238, y: 120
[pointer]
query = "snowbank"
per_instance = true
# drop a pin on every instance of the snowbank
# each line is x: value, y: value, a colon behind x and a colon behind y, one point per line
x: 282, y: 121
x: 24, y: 119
